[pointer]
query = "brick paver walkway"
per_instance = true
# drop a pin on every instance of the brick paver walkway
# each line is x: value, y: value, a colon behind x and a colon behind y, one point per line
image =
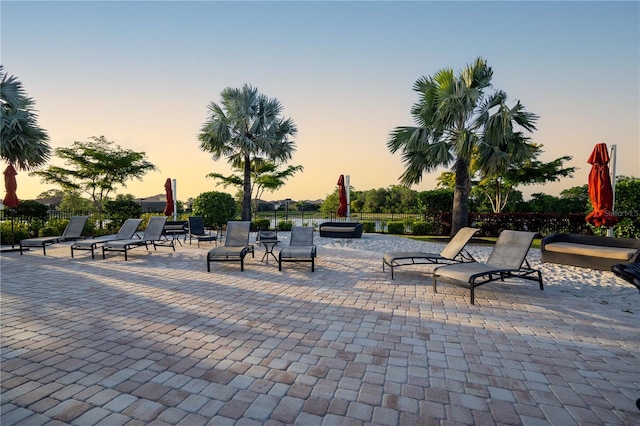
x: 158, y: 340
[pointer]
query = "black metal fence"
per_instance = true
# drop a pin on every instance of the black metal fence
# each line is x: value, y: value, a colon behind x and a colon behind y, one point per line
x: 490, y: 224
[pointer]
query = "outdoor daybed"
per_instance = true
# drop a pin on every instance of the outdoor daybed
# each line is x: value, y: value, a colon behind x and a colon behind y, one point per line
x: 341, y: 229
x: 589, y: 251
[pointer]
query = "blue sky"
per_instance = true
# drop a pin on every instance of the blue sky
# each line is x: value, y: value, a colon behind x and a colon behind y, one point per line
x: 142, y: 74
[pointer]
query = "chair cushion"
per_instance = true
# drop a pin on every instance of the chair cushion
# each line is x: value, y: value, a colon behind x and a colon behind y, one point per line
x: 619, y: 253
x: 296, y: 252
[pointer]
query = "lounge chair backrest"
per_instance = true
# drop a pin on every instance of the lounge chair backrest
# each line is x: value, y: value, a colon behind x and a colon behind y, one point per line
x: 196, y: 225
x: 128, y: 228
x: 237, y: 233
x: 74, y: 227
x: 301, y: 236
x: 511, y: 249
x: 457, y: 243
x: 154, y: 228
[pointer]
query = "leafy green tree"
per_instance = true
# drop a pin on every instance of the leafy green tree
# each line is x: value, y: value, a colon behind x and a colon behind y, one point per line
x: 72, y: 201
x: 436, y: 201
x: 243, y: 126
x: 497, y: 188
x: 96, y: 167
x: 576, y: 199
x: 51, y: 193
x: 121, y: 209
x: 265, y: 176
x: 460, y: 118
x: 216, y: 208
x: 626, y: 207
x: 22, y: 141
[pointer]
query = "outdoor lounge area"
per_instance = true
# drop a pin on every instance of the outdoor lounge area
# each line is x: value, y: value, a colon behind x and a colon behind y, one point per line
x: 159, y: 340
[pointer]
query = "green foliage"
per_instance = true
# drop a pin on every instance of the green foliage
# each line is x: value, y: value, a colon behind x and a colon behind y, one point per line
x: 20, y: 232
x: 369, y: 226
x: 460, y: 119
x: 285, y: 225
x: 22, y: 141
x: 120, y: 210
x: 421, y: 228
x: 73, y: 202
x: 436, y: 201
x: 395, y: 227
x: 626, y: 208
x: 261, y: 224
x: 96, y: 167
x: 244, y: 126
x: 216, y: 208
x: 30, y: 209
x: 56, y: 227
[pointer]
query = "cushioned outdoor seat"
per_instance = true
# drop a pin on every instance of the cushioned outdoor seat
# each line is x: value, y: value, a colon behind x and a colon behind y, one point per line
x: 300, y: 249
x: 128, y: 228
x: 72, y: 232
x: 236, y: 245
x: 454, y: 251
x: 152, y: 235
x: 507, y: 260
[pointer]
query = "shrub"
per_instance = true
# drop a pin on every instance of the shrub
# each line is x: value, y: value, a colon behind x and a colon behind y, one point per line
x: 421, y: 228
x: 216, y: 208
x: 369, y: 226
x: 395, y: 227
x: 20, y: 232
x: 285, y: 225
x: 260, y: 224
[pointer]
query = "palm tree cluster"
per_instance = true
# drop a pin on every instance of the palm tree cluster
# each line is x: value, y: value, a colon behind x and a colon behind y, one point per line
x: 461, y: 119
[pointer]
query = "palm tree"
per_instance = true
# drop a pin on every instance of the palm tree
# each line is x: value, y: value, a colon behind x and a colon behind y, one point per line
x: 246, y: 125
x: 460, y: 120
x: 22, y: 141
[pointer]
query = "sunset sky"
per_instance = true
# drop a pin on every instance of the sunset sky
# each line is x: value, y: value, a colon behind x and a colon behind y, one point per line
x: 142, y: 74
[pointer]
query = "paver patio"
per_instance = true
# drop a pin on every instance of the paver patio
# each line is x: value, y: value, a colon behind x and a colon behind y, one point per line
x: 158, y: 340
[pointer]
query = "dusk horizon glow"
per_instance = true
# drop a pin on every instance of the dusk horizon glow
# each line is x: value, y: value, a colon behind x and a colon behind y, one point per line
x: 142, y: 74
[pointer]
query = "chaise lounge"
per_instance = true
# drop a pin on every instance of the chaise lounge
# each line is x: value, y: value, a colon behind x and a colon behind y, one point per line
x: 589, y: 251
x: 341, y: 229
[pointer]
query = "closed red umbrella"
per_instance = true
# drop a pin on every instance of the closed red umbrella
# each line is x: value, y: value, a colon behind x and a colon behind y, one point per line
x: 342, y: 194
x: 168, y: 209
x: 10, y: 185
x: 600, y: 189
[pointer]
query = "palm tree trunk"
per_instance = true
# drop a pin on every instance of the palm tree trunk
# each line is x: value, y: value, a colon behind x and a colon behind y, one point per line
x: 246, y: 196
x: 460, y: 214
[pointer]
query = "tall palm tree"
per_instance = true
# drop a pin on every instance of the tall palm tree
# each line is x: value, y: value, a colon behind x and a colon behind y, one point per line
x: 460, y: 119
x: 22, y: 141
x: 246, y: 125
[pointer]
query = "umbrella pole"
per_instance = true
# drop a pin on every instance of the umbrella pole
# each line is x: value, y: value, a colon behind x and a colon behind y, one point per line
x: 614, y: 149
x: 13, y: 238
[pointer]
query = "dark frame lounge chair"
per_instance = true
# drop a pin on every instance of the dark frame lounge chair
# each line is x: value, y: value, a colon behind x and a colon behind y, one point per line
x: 152, y: 235
x: 196, y: 231
x: 300, y: 249
x: 126, y: 232
x: 454, y: 251
x: 508, y: 259
x: 236, y: 245
x: 630, y: 272
x: 72, y: 232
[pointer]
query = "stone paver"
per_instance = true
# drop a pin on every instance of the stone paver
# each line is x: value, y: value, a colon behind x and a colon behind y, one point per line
x: 158, y: 340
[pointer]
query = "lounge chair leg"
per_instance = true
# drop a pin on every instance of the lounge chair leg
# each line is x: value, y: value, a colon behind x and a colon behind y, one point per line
x: 313, y: 265
x: 473, y: 294
x: 435, y: 289
x: 72, y: 252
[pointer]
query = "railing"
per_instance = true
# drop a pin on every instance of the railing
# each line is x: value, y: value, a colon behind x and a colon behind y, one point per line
x: 489, y: 223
